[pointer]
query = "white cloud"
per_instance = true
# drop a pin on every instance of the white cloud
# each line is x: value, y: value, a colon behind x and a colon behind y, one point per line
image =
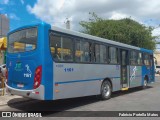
x: 6, y: 1
x: 22, y: 1
x: 156, y: 31
x: 56, y: 12
x: 6, y: 15
x: 118, y: 16
x: 13, y: 16
x: 52, y: 12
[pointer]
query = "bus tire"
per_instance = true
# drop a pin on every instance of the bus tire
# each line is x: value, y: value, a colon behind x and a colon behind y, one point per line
x: 145, y: 83
x: 106, y: 90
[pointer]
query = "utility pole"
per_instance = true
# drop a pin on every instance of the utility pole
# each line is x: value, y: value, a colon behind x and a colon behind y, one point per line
x: 67, y: 24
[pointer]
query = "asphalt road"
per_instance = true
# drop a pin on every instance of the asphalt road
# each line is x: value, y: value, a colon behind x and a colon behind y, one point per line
x: 133, y: 100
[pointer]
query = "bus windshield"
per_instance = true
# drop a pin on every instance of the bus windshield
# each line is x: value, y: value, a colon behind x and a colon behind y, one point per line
x: 22, y: 40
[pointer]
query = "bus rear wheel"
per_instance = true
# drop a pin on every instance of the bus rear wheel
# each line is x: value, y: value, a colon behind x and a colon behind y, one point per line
x: 145, y: 83
x: 106, y: 90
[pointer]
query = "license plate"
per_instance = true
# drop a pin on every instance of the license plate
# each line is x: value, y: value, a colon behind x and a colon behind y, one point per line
x: 20, y: 85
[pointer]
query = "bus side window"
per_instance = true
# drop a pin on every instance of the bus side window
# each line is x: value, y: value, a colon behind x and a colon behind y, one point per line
x: 146, y: 59
x: 97, y: 53
x: 103, y: 54
x: 113, y: 55
x: 139, y: 58
x: 55, y: 43
x: 100, y: 53
x: 82, y: 51
x: 67, y: 49
x: 86, y: 47
x: 78, y: 51
x: 61, y: 47
x: 133, y: 58
x: 54, y: 54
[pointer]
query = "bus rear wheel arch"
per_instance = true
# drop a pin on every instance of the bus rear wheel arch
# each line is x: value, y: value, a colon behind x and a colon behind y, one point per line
x: 106, y: 90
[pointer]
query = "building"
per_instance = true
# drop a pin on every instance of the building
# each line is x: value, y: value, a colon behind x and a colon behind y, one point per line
x: 157, y: 57
x: 4, y: 29
x: 4, y: 25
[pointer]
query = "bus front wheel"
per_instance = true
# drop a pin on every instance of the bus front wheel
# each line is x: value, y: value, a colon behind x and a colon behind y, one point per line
x: 106, y: 90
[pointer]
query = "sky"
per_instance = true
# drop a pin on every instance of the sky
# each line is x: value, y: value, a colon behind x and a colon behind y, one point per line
x: 16, y: 11
x: 56, y: 12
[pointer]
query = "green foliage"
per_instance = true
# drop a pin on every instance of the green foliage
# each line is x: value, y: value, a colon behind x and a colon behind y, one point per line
x: 125, y: 30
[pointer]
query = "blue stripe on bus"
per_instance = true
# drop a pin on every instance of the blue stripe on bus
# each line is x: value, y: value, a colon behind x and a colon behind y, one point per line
x: 73, y: 81
x: 137, y: 76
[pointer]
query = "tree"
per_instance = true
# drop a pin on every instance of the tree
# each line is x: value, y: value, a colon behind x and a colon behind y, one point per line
x: 126, y: 30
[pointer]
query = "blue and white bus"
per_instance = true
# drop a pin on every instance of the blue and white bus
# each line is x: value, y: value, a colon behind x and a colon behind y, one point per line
x: 48, y: 63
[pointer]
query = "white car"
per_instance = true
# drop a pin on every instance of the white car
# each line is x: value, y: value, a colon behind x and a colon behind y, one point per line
x: 157, y: 69
x: 3, y: 69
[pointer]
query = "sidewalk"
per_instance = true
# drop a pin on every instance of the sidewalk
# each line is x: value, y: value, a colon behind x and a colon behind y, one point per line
x: 12, y: 99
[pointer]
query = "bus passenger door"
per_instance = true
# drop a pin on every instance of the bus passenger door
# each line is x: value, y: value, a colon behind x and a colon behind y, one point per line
x: 124, y: 63
x: 152, y: 69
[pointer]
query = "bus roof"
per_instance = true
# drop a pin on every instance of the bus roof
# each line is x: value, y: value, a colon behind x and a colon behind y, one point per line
x: 79, y: 34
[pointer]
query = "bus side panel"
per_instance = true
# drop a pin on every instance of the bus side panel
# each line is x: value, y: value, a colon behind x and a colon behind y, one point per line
x: 76, y: 80
x: 152, y: 74
x: 47, y: 66
x: 145, y: 72
x: 116, y: 80
x: 153, y: 71
x: 148, y: 70
x: 135, y: 76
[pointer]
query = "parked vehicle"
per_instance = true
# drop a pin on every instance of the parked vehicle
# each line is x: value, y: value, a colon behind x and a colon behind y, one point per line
x: 157, y: 69
x: 3, y: 69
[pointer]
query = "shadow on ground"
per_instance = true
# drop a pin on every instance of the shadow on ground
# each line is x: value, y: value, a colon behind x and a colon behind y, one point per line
x: 51, y: 108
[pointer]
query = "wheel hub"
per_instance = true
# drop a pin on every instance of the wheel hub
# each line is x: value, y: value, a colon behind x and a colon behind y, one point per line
x: 106, y: 90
